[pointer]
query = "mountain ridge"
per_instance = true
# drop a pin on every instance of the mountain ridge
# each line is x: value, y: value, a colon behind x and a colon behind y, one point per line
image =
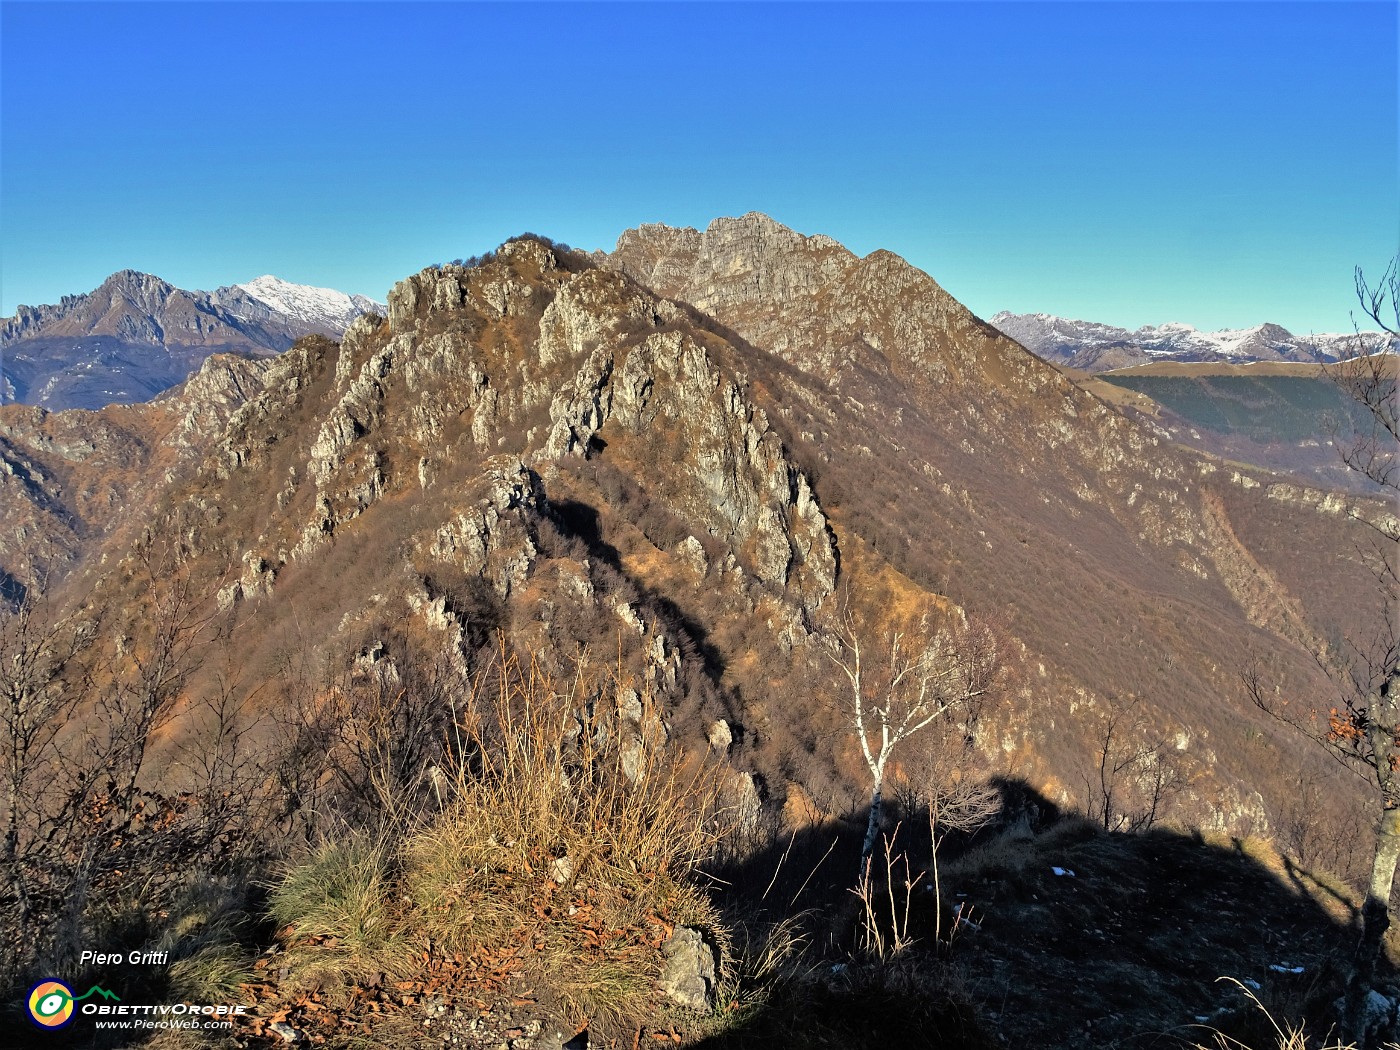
x: 1094, y: 347
x: 136, y: 335
x: 541, y: 458
x: 826, y: 403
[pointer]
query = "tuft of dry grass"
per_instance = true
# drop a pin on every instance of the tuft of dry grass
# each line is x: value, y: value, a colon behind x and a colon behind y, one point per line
x: 339, y: 915
x: 563, y: 844
x: 204, y: 939
x: 1286, y: 1036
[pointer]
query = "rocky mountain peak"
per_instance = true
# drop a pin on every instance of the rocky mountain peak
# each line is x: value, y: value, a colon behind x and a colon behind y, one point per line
x: 137, y: 280
x: 750, y: 259
x: 136, y: 335
x: 812, y: 301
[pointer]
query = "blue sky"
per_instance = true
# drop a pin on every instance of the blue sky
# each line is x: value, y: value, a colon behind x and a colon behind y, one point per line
x: 1221, y: 164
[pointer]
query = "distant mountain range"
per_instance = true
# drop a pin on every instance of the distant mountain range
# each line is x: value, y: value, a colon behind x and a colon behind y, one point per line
x: 678, y: 478
x: 137, y: 335
x: 1095, y: 347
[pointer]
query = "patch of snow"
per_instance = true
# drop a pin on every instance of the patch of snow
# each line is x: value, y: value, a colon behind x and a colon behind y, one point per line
x: 316, y: 307
x: 1176, y: 340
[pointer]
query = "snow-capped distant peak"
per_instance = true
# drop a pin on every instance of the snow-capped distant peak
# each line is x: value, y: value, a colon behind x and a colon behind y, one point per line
x: 315, y: 307
x: 1095, y: 346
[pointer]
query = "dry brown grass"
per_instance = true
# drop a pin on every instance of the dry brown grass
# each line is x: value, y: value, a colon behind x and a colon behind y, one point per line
x: 557, y: 851
x: 1286, y: 1036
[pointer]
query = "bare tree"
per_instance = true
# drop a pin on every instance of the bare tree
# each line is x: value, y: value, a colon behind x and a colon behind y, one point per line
x: 41, y: 683
x: 904, y: 682
x: 225, y: 773
x: 1135, y: 778
x: 81, y: 702
x: 1367, y: 375
x: 1361, y: 728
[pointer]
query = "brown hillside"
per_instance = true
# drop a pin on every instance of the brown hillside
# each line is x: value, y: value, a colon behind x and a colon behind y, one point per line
x: 540, y: 444
x: 558, y: 520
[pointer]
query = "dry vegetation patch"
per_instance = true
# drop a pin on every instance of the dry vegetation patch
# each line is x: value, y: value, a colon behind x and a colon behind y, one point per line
x: 558, y: 860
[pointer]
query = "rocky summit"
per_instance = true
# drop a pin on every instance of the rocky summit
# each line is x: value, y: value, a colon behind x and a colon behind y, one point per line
x: 687, y: 476
x: 137, y: 335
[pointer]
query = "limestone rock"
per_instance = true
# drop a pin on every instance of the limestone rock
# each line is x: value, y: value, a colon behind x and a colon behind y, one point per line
x: 496, y: 537
x: 688, y: 975
x: 720, y: 736
x: 356, y: 414
x: 738, y: 483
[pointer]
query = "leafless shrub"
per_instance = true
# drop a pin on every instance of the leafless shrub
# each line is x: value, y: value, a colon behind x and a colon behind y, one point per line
x: 885, y: 898
x: 81, y: 704
x: 1137, y: 775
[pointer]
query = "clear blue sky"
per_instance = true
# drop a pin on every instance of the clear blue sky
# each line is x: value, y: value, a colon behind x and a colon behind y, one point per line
x: 1218, y: 164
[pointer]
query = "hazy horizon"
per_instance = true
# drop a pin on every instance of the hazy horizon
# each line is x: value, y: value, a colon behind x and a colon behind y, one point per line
x: 1130, y: 164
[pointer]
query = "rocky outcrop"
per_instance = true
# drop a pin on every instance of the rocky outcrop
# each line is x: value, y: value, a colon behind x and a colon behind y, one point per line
x: 494, y: 292
x: 736, y: 481
x: 355, y: 415
x: 209, y: 398
x: 494, y: 537
x: 739, y: 483
x: 689, y: 973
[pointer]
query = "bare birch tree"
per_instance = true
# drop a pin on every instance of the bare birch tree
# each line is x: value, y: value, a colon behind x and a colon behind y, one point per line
x: 903, y: 682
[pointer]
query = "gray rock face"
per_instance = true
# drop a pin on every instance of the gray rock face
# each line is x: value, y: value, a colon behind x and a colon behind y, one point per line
x: 737, y: 484
x: 688, y: 976
x: 807, y: 299
x: 731, y: 263
x: 354, y: 416
x: 495, y: 538
x: 1380, y: 1019
x: 591, y: 310
x: 210, y: 397
x: 497, y: 292
x: 747, y: 802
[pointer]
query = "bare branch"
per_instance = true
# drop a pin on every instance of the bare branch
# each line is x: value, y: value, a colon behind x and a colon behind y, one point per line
x: 929, y: 672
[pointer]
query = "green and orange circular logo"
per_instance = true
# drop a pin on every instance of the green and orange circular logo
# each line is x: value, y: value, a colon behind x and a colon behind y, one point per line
x: 51, y: 1004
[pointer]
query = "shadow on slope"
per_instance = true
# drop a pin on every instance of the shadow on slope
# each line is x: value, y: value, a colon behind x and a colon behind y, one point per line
x: 1075, y: 938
